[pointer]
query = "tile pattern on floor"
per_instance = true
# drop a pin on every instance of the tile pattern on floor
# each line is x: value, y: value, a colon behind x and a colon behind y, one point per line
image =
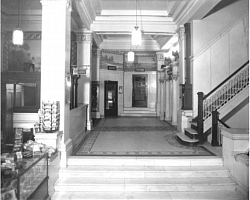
x: 136, y: 136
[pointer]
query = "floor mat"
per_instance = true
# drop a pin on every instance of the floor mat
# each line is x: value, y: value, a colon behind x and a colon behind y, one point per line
x: 136, y: 141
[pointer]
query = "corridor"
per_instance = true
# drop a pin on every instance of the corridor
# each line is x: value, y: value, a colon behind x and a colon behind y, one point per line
x: 137, y: 136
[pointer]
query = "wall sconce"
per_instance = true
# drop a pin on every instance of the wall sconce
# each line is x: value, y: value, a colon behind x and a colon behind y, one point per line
x: 68, y: 80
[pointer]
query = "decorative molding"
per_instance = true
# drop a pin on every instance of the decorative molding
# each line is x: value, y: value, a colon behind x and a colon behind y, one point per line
x: 69, y: 5
x: 73, y: 53
x: 113, y: 52
x: 160, y: 56
x: 5, y: 56
x: 181, y: 33
x: 81, y: 37
x: 162, y: 80
x: 175, y: 77
x: 33, y: 35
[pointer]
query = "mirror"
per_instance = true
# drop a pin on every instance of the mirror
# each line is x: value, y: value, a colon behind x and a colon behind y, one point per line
x: 21, y: 94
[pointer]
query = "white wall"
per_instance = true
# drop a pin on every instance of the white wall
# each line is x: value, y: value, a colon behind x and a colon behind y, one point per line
x: 220, y: 46
x: 239, y: 117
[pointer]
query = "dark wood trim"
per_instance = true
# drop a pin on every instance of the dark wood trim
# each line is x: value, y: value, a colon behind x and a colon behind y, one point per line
x: 200, y: 117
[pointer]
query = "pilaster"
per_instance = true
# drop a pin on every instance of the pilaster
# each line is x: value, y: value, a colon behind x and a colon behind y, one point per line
x: 161, y: 80
x: 55, y: 60
x: 160, y: 62
x: 167, y: 99
x: 175, y: 94
x: 96, y: 78
x: 182, y: 73
x: 84, y: 59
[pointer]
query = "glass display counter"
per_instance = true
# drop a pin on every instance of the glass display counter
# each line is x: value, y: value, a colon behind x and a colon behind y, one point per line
x: 29, y: 179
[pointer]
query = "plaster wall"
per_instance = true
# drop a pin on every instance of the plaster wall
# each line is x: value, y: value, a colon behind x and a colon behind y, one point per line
x: 208, y: 28
x: 218, y: 52
x: 109, y: 75
x: 239, y: 117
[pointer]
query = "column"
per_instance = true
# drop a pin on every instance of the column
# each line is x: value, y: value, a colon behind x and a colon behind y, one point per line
x: 182, y: 73
x: 160, y: 62
x: 84, y: 60
x: 167, y: 99
x: 161, y: 80
x: 175, y: 96
x: 55, y: 63
x: 96, y: 78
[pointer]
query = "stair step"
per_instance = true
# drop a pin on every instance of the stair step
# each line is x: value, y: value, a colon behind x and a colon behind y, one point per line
x: 194, y: 125
x: 140, y: 185
x: 143, y: 171
x: 145, y: 161
x: 138, y: 114
x: 139, y: 108
x: 185, y: 140
x: 139, y: 111
x: 216, y: 195
x: 191, y: 131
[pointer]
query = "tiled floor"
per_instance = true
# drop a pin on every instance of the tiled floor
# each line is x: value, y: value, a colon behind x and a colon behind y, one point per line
x: 137, y: 136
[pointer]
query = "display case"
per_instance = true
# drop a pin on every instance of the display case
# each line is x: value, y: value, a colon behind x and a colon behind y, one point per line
x: 29, y: 180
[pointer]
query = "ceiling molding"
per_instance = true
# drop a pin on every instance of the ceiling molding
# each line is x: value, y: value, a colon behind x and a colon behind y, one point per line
x: 86, y: 13
x: 194, y: 10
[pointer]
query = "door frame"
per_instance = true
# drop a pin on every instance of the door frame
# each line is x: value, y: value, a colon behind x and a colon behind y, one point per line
x: 116, y: 98
x: 146, y: 89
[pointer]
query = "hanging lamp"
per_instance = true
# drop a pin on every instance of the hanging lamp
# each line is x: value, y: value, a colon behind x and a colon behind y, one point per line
x: 131, y: 56
x: 17, y: 35
x: 136, y: 33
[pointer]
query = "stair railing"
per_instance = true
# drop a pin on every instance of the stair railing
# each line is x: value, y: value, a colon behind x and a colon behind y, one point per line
x: 221, y: 95
x: 217, y: 124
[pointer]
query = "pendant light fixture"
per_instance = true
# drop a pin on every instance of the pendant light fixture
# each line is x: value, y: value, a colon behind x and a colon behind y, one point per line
x: 131, y: 56
x: 17, y: 36
x: 136, y: 33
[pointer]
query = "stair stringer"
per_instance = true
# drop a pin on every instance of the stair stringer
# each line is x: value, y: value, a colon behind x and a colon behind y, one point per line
x: 227, y: 108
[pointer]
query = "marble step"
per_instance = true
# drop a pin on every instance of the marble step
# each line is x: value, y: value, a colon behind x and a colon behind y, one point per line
x: 135, y: 114
x: 139, y: 111
x: 191, y: 133
x: 175, y: 195
x: 143, y: 171
x: 143, y: 185
x: 185, y: 140
x: 145, y: 161
x: 139, y: 108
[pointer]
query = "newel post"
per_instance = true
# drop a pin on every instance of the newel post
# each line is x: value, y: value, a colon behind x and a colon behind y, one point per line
x: 200, y: 117
x: 215, y: 115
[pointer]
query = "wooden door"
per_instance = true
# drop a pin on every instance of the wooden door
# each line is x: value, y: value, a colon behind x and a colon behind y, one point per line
x: 111, y: 99
x: 139, y: 91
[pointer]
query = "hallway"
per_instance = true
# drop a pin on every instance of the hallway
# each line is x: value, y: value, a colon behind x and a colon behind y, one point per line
x: 137, y: 136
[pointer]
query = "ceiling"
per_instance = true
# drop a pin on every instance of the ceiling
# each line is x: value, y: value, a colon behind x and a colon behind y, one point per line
x: 113, y: 20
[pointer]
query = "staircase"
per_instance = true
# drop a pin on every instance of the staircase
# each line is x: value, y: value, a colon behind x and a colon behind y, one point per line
x: 224, y: 98
x: 147, y: 178
x: 139, y: 112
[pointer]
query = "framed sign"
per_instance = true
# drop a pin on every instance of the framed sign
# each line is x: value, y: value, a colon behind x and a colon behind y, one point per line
x: 111, y: 67
x: 140, y: 69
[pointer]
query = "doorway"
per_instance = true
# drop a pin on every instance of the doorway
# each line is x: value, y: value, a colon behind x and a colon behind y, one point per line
x: 111, y: 99
x: 139, y: 91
